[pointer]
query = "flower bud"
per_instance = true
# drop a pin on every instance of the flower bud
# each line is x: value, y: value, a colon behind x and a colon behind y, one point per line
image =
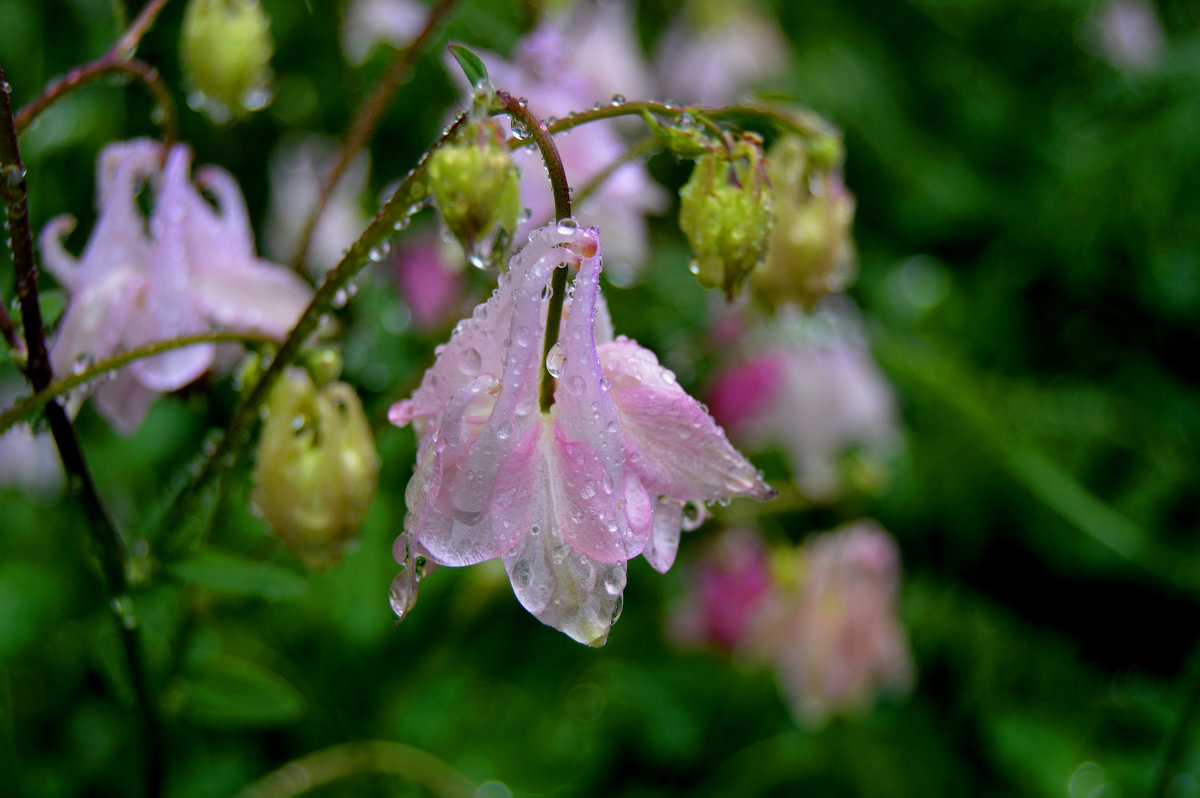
x: 725, y: 212
x: 226, y: 46
x: 317, y: 467
x: 476, y: 185
x: 811, y: 253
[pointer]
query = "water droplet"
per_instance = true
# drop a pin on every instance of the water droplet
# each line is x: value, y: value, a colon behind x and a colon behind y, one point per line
x: 576, y: 385
x: 403, y: 593
x: 556, y: 359
x: 340, y: 298
x: 588, y: 489
x: 535, y: 530
x: 618, y: 99
x: 469, y: 362
x: 82, y: 363
x: 694, y: 266
x: 567, y: 226
x: 616, y: 613
x: 614, y: 582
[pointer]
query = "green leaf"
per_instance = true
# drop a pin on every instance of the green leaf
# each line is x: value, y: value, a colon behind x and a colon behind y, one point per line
x: 229, y: 692
x: 472, y: 65
x: 230, y: 573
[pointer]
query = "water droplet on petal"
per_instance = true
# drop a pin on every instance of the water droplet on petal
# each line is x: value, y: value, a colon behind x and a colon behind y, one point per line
x: 469, y: 362
x: 576, y: 385
x: 556, y: 359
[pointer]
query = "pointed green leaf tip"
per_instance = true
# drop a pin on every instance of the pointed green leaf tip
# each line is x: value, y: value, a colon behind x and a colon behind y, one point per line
x: 472, y: 65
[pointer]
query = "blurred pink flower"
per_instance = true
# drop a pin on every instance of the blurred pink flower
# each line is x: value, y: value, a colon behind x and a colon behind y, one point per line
x: 196, y: 271
x: 713, y: 51
x: 728, y: 589
x: 834, y: 636
x: 814, y: 396
x: 563, y: 497
x: 569, y: 63
x: 428, y: 284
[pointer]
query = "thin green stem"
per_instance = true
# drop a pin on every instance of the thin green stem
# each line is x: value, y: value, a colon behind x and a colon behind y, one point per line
x: 536, y: 128
x: 351, y: 759
x: 370, y: 114
x: 1179, y: 734
x: 233, y: 444
x: 27, y: 407
x: 803, y: 123
x: 119, y: 59
x: 110, y: 546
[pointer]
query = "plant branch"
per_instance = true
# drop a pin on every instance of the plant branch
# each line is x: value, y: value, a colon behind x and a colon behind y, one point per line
x: 394, y: 216
x: 804, y: 123
x: 110, y: 547
x: 370, y: 113
x: 118, y: 60
x: 350, y: 759
x: 25, y: 408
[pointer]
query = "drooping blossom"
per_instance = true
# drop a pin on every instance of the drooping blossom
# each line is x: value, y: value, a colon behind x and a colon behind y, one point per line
x: 194, y: 271
x: 815, y: 393
x: 832, y: 630
x: 569, y: 63
x: 566, y: 497
x: 714, y: 51
x: 299, y: 168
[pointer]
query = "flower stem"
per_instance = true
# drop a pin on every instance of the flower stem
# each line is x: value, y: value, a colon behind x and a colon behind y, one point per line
x: 349, y: 759
x: 506, y: 103
x: 802, y: 122
x: 118, y: 59
x: 25, y: 408
x: 110, y: 546
x: 370, y: 113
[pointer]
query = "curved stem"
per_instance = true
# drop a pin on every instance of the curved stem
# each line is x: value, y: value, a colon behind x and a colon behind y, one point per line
x: 370, y: 113
x: 25, y: 408
x: 506, y: 103
x: 350, y: 759
x: 118, y: 59
x: 516, y: 109
x: 110, y: 546
x: 233, y: 444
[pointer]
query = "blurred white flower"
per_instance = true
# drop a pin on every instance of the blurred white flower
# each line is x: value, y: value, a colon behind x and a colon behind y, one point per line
x: 714, y: 51
x: 28, y: 461
x: 299, y: 167
x: 370, y: 22
x: 1127, y: 34
x: 808, y: 385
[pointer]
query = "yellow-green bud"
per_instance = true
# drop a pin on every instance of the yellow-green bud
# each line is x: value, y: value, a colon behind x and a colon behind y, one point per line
x: 476, y: 185
x: 226, y: 49
x: 811, y: 252
x: 725, y: 212
x: 317, y: 467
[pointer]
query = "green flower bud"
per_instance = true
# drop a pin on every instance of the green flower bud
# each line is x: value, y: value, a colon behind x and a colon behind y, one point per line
x: 226, y: 49
x: 725, y: 212
x: 811, y: 253
x: 476, y: 185
x: 317, y: 467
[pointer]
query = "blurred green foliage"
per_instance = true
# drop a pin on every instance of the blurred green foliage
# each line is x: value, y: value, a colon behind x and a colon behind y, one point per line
x: 1029, y: 231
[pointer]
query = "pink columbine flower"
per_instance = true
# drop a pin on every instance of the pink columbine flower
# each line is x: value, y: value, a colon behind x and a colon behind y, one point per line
x: 195, y: 271
x: 834, y: 636
x: 566, y: 497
